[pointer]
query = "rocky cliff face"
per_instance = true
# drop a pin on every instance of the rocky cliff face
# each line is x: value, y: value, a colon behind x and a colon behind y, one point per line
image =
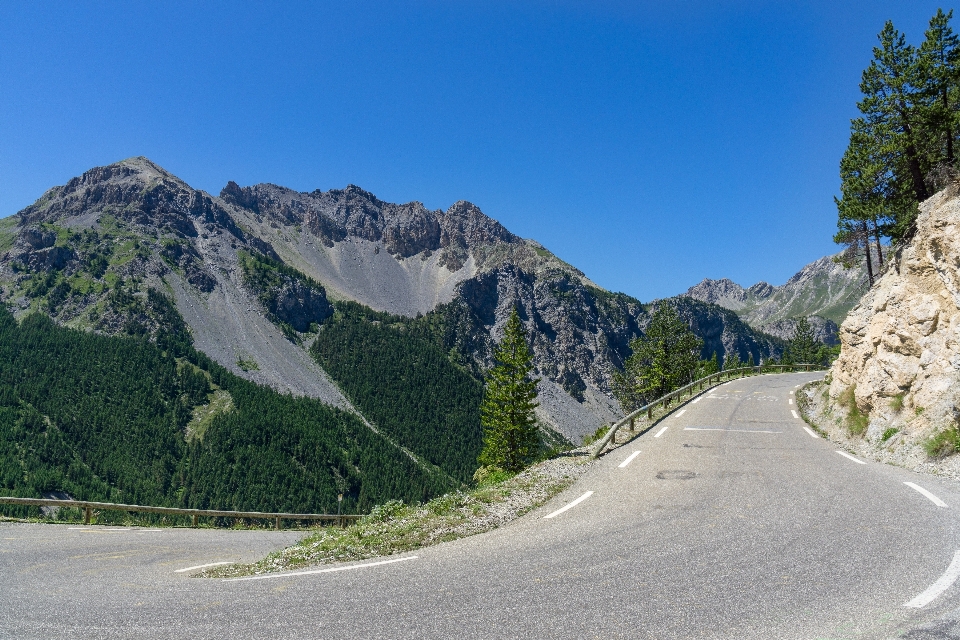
x: 900, y: 353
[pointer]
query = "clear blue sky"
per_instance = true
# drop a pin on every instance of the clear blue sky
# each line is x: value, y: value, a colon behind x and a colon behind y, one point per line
x: 651, y: 144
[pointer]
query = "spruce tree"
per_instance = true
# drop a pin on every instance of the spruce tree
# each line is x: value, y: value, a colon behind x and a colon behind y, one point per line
x: 510, y: 436
x: 804, y: 347
x: 664, y: 358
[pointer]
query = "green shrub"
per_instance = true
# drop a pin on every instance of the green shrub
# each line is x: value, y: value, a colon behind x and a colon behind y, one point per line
x: 889, y: 433
x: 857, y: 421
x: 385, y: 512
x: 596, y: 435
x: 943, y: 443
x: 896, y: 402
x: 486, y: 476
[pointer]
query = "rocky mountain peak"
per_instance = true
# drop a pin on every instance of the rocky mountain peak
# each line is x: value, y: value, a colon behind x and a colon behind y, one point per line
x: 724, y: 292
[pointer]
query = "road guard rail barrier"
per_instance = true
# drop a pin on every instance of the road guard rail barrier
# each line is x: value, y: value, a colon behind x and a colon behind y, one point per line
x: 88, y: 508
x: 693, y: 388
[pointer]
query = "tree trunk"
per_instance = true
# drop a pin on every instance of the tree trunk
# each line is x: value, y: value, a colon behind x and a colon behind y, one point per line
x: 866, y: 246
x: 946, y: 110
x: 876, y: 234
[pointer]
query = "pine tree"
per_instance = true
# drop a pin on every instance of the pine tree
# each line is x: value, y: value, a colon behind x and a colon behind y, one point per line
x: 663, y: 359
x: 939, y: 59
x: 510, y: 435
x: 804, y: 347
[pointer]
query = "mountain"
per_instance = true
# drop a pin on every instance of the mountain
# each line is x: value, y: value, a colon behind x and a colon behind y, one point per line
x: 274, y: 285
x: 824, y: 291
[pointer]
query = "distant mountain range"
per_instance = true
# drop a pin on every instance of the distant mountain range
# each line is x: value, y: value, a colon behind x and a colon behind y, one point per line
x: 382, y: 311
x: 133, y: 225
x: 824, y: 291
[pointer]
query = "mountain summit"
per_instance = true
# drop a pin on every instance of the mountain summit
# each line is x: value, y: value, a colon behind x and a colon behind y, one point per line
x: 257, y: 272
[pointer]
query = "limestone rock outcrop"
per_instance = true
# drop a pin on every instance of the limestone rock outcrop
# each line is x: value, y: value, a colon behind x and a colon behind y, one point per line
x: 901, y: 344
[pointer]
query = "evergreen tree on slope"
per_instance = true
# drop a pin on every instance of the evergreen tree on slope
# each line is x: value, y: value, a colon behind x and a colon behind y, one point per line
x: 510, y: 436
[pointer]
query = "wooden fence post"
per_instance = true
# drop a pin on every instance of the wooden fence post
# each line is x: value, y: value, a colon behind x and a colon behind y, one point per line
x: 86, y: 515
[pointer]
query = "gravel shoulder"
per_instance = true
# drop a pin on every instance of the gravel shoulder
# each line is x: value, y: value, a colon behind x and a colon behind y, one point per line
x: 396, y: 528
x: 813, y: 401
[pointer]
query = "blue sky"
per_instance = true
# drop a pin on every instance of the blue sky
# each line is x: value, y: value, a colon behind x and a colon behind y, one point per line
x: 650, y: 144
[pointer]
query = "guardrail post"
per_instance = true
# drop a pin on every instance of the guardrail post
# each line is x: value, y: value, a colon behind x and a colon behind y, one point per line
x: 86, y: 515
x: 278, y: 523
x: 650, y: 413
x: 631, y: 424
x: 194, y: 520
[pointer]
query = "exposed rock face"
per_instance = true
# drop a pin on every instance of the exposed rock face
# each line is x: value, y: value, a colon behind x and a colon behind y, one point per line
x: 824, y: 330
x: 903, y: 339
x: 822, y: 290
x: 150, y: 229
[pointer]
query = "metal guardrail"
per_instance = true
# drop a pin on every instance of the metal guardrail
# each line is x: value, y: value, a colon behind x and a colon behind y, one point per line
x: 88, y: 508
x: 697, y: 385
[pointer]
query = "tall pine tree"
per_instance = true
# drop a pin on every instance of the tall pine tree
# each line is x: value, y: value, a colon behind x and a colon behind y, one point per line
x: 511, y: 439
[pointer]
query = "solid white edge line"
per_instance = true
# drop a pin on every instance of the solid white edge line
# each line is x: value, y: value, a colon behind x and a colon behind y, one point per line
x: 942, y: 584
x: 660, y: 433
x: 794, y: 413
x: 202, y: 566
x: 926, y: 494
x: 315, y: 571
x: 569, y: 506
x: 679, y: 413
x: 847, y: 455
x: 696, y: 400
x: 629, y: 460
x: 811, y: 432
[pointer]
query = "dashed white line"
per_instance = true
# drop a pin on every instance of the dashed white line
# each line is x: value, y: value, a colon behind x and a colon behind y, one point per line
x: 721, y: 429
x: 569, y: 506
x: 696, y: 400
x: 790, y: 401
x: 202, y: 566
x: 679, y: 413
x: 334, y: 569
x: 628, y: 460
x: 811, y: 432
x: 942, y: 584
x: 660, y: 433
x: 794, y: 414
x: 929, y: 496
x: 847, y: 455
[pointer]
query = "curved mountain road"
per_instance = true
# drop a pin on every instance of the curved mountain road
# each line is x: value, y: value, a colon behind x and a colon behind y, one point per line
x: 734, y: 522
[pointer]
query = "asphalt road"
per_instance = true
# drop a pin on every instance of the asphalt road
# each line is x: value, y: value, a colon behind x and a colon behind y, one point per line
x: 732, y: 523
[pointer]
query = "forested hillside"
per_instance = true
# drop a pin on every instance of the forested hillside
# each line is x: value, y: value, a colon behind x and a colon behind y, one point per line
x: 124, y: 419
x: 406, y: 383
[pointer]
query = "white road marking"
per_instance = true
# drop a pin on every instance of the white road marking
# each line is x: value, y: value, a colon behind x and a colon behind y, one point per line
x: 847, y: 455
x: 794, y: 414
x: 660, y: 433
x: 569, y: 506
x: 628, y: 460
x: 120, y: 530
x: 932, y: 498
x: 942, y: 584
x: 720, y: 429
x: 791, y: 393
x: 696, y: 400
x: 680, y: 413
x: 811, y: 432
x: 202, y: 566
x: 790, y: 401
x: 333, y: 570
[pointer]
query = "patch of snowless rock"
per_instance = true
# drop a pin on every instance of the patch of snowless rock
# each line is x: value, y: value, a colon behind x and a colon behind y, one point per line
x: 901, y: 344
x: 571, y: 418
x: 361, y: 270
x: 227, y: 326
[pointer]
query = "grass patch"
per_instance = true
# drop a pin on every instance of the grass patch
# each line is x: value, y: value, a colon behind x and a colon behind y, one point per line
x: 896, y: 402
x: 7, y: 233
x: 395, y: 527
x: 857, y: 421
x: 889, y: 433
x: 247, y: 364
x: 596, y: 435
x: 943, y: 443
x: 221, y: 403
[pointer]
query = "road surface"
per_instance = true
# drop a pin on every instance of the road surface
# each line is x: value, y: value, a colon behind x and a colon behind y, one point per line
x: 734, y: 522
